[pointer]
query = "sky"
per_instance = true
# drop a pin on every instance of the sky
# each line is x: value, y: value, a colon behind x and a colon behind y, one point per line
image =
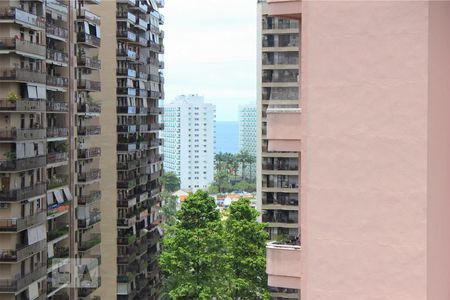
x: 210, y: 50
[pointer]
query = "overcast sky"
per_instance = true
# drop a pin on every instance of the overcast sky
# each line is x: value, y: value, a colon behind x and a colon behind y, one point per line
x: 210, y: 49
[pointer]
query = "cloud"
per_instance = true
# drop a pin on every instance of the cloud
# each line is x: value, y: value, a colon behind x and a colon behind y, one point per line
x: 211, y: 50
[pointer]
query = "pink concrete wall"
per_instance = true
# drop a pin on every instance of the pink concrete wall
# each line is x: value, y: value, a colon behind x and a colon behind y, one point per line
x: 283, y: 266
x: 364, y: 150
x: 283, y: 131
x: 439, y: 150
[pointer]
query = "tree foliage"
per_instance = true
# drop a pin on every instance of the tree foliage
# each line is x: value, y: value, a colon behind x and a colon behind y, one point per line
x: 169, y: 208
x: 170, y: 182
x: 194, y: 255
x: 246, y: 239
x: 206, y: 258
x: 234, y: 172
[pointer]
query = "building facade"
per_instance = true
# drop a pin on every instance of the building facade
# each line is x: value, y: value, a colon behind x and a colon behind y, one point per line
x: 374, y: 144
x: 189, y: 141
x: 277, y: 171
x: 49, y: 238
x: 133, y: 81
x: 247, y: 129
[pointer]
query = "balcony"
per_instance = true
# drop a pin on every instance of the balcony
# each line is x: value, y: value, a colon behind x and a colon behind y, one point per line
x: 54, y: 132
x: 22, y: 47
x: 128, y: 16
x: 24, y: 193
x: 22, y: 75
x: 57, y: 157
x: 22, y: 223
x: 57, y: 32
x: 88, y: 62
x: 90, y: 175
x: 57, y: 181
x: 88, y: 16
x: 89, y: 108
x: 22, y: 134
x: 125, y: 166
x: 57, y: 56
x: 22, y: 105
x: 88, y: 40
x: 126, y: 147
x: 93, y: 240
x: 127, y: 35
x: 22, y: 251
x: 21, y: 281
x: 93, y: 218
x: 128, y: 54
x: 126, y: 72
x: 22, y: 17
x: 290, y: 9
x: 126, y: 128
x: 61, y: 229
x: 142, y: 24
x: 89, y: 85
x: 89, y: 130
x: 57, y: 107
x: 17, y: 165
x: 284, y: 128
x: 126, y: 184
x: 58, y: 5
x: 89, y: 153
x: 283, y: 265
x: 57, y: 81
x: 130, y: 110
x: 126, y: 91
x: 89, y: 198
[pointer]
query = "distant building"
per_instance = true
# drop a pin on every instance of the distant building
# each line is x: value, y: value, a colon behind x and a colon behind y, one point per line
x: 189, y: 141
x: 247, y: 128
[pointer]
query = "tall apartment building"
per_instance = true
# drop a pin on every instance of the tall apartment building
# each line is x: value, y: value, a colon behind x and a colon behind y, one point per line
x: 247, y: 128
x: 374, y: 143
x: 133, y: 85
x: 277, y: 170
x: 189, y: 141
x: 49, y: 164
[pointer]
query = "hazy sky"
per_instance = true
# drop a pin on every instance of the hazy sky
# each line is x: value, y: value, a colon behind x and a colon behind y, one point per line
x: 210, y: 49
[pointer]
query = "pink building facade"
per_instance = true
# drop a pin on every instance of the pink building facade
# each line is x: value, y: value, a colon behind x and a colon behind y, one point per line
x: 372, y: 130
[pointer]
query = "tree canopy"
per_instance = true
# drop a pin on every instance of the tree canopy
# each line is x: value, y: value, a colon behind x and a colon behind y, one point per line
x: 170, y: 182
x: 205, y: 257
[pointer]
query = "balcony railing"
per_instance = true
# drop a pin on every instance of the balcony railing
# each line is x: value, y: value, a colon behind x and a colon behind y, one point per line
x: 22, y: 105
x: 129, y: 35
x: 22, y: 17
x: 21, y: 223
x: 284, y: 265
x: 89, y: 130
x: 88, y: 62
x: 23, y: 193
x: 93, y: 240
x: 22, y: 134
x: 22, y: 164
x: 60, y: 230
x: 18, y: 74
x: 88, y: 39
x: 90, y: 198
x: 91, y: 175
x: 89, y: 85
x: 22, y: 46
x: 58, y: 81
x: 57, y: 31
x: 89, y: 16
x: 58, y: 56
x: 89, y: 153
x: 57, y: 132
x: 57, y: 157
x: 57, y: 106
x: 89, y: 108
x: 57, y: 181
x: 93, y: 218
x: 22, y: 251
x: 21, y: 281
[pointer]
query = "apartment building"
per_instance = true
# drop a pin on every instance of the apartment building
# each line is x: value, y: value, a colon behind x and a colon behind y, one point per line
x: 372, y: 129
x: 277, y: 170
x: 47, y: 176
x: 133, y: 87
x: 247, y: 128
x: 189, y: 141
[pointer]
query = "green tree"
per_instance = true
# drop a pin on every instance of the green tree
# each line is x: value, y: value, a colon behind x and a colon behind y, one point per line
x: 170, y: 182
x: 194, y: 259
x: 169, y: 208
x: 246, y: 244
